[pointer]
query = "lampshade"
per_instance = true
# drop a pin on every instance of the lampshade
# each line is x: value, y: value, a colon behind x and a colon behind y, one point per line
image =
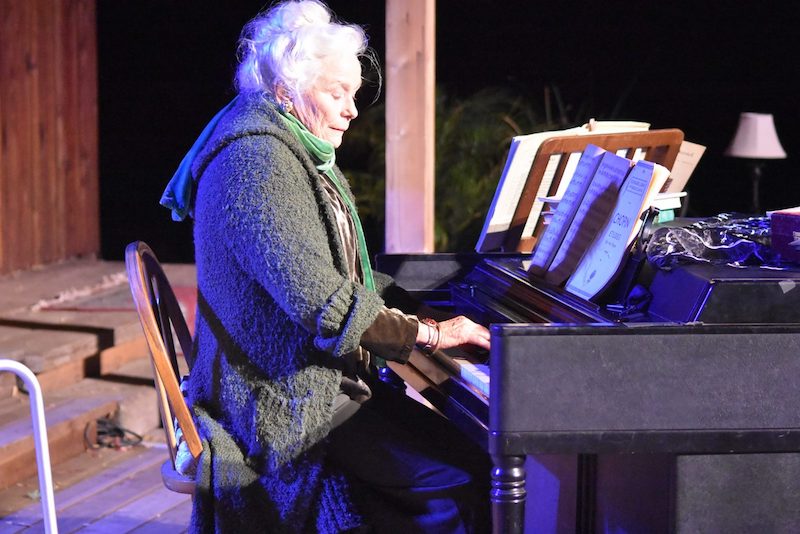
x: 756, y: 138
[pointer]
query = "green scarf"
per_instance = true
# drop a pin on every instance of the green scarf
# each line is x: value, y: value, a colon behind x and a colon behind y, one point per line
x: 323, y: 152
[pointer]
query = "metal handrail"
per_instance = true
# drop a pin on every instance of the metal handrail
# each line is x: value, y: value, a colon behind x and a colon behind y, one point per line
x: 40, y: 439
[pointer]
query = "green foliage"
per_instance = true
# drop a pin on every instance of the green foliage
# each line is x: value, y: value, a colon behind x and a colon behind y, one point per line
x: 472, y: 140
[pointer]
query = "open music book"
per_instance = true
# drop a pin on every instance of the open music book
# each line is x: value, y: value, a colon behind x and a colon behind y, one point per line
x: 540, y: 167
x: 521, y: 155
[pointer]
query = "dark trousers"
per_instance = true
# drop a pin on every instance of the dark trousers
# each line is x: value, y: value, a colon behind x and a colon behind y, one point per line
x: 412, y: 470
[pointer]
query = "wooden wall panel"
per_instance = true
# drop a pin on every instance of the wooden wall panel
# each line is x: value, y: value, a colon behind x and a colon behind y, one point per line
x: 48, y: 132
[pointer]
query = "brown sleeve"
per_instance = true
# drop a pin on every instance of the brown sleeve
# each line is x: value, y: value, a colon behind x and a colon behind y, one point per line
x: 391, y: 335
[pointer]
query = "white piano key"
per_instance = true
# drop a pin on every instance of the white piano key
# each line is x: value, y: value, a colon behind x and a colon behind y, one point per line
x: 476, y: 374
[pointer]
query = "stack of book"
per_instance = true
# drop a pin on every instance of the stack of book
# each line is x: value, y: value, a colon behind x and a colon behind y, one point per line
x: 596, y: 221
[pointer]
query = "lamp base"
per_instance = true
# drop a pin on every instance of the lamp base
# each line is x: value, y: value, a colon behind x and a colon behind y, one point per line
x: 757, y: 171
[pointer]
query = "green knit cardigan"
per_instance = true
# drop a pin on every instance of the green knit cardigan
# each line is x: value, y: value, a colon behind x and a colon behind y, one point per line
x: 276, y: 312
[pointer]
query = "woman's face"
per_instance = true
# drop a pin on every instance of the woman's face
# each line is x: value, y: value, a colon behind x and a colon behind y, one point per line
x: 329, y: 105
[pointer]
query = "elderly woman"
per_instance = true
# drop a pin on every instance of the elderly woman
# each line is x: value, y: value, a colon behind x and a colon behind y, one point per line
x: 299, y: 434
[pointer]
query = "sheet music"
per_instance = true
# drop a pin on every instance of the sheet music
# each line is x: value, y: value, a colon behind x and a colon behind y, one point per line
x: 686, y: 161
x: 509, y: 189
x: 512, y: 181
x: 550, y: 241
x: 593, y: 209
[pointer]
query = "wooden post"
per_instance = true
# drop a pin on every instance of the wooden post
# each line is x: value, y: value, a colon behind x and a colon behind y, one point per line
x: 410, y: 106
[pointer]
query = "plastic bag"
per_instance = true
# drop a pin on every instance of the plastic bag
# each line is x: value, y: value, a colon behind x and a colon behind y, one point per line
x: 726, y: 239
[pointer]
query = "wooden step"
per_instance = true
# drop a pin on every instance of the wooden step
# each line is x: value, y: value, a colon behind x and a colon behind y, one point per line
x: 71, y: 422
x: 62, y: 348
x: 71, y: 414
x: 104, y: 465
x: 8, y: 385
x: 23, y: 289
x: 75, y: 320
x: 75, y: 326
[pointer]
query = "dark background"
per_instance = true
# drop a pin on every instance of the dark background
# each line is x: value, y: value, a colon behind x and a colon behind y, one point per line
x: 166, y: 68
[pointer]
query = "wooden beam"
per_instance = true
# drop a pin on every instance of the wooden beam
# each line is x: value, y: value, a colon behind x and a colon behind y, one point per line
x: 410, y: 107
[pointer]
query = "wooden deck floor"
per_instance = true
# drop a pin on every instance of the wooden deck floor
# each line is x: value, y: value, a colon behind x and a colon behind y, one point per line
x: 124, y: 494
x: 74, y: 325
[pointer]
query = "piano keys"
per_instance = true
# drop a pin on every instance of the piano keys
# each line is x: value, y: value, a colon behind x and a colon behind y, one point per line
x: 475, y: 374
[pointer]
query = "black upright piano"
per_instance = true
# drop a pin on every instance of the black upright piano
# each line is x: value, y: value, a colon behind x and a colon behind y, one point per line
x: 681, y: 418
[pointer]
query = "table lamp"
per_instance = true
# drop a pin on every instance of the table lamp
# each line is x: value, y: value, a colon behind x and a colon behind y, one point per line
x: 756, y: 140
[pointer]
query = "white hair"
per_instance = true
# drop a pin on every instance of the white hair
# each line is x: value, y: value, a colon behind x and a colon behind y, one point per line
x: 282, y: 48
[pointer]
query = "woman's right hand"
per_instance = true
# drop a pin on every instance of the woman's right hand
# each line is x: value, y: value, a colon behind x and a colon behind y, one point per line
x: 456, y: 332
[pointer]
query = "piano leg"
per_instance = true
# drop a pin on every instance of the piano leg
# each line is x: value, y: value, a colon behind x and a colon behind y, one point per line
x: 586, y: 506
x: 508, y: 494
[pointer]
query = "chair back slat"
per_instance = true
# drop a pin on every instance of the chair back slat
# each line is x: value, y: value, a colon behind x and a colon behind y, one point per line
x: 167, y: 307
x: 167, y: 417
x: 164, y: 325
x: 160, y: 314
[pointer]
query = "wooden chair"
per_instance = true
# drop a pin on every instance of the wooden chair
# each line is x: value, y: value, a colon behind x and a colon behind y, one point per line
x: 160, y: 316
